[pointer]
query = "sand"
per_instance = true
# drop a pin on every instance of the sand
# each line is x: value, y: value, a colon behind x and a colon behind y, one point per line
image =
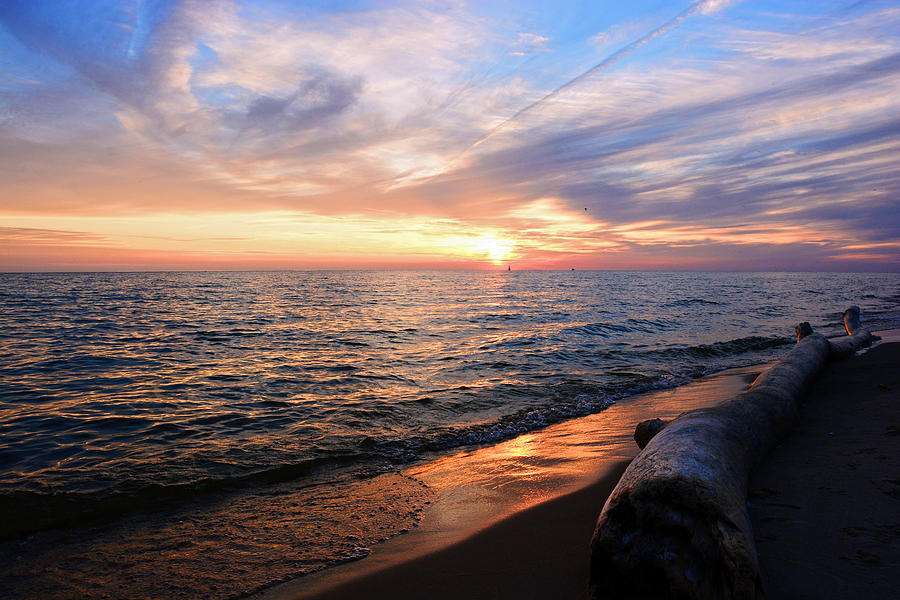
x: 825, y: 507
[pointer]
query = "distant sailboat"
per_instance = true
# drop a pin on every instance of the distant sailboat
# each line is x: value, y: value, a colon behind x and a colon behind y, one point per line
x: 508, y: 268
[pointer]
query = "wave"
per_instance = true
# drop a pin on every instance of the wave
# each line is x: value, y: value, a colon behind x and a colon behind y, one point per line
x: 691, y: 302
x: 562, y: 401
x: 39, y: 511
x: 733, y: 347
x: 608, y: 329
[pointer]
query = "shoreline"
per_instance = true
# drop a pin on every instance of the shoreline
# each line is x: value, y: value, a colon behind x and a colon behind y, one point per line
x: 535, y: 551
x: 500, y: 489
x: 470, y: 568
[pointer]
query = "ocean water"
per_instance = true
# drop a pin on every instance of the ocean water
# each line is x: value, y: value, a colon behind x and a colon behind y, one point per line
x: 234, y: 417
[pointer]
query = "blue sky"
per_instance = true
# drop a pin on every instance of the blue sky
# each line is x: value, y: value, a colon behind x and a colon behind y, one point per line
x: 647, y: 134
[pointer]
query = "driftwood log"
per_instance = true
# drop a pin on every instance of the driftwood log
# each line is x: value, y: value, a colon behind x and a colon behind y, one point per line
x: 676, y: 525
x: 857, y: 335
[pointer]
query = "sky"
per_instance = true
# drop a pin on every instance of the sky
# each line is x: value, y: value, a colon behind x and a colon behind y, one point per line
x: 648, y: 134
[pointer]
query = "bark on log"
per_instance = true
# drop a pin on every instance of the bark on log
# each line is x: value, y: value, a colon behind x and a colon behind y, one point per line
x: 647, y: 430
x: 676, y: 525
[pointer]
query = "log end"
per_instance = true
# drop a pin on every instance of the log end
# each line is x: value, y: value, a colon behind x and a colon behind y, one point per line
x: 646, y: 548
x: 803, y: 329
x: 857, y: 336
x: 851, y: 320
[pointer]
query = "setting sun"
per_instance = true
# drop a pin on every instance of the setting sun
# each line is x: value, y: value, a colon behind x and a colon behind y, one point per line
x: 494, y: 249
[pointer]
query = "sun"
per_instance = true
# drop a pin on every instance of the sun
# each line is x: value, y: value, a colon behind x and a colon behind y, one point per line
x: 494, y: 249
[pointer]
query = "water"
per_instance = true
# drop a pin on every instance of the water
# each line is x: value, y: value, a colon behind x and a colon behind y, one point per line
x: 131, y: 400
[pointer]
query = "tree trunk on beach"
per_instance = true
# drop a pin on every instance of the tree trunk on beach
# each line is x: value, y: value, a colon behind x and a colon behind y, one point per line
x: 857, y: 336
x: 676, y: 525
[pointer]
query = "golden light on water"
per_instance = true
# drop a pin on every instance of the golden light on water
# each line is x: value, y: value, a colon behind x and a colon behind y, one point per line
x: 521, y: 472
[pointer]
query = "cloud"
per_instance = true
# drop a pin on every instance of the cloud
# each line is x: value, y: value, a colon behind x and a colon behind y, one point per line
x: 607, y: 62
x: 709, y: 7
x: 619, y: 33
x: 317, y: 99
x: 721, y: 133
x: 36, y: 236
x: 529, y: 43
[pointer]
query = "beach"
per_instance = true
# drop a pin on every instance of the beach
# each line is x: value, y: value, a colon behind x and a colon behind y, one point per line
x: 823, y: 504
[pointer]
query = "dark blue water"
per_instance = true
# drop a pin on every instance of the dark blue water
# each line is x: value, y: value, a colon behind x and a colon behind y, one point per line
x: 125, y: 391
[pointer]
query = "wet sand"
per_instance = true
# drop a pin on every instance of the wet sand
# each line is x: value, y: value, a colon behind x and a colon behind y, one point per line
x: 539, y: 553
x: 825, y: 507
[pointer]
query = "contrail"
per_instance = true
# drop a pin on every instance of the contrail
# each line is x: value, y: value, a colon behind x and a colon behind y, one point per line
x: 607, y: 62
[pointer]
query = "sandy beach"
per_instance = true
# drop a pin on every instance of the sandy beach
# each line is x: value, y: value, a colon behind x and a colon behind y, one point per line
x: 824, y: 508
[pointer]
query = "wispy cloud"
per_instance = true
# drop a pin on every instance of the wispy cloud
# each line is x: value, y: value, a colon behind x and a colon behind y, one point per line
x: 701, y: 6
x: 711, y: 129
x: 31, y: 235
x: 529, y: 43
